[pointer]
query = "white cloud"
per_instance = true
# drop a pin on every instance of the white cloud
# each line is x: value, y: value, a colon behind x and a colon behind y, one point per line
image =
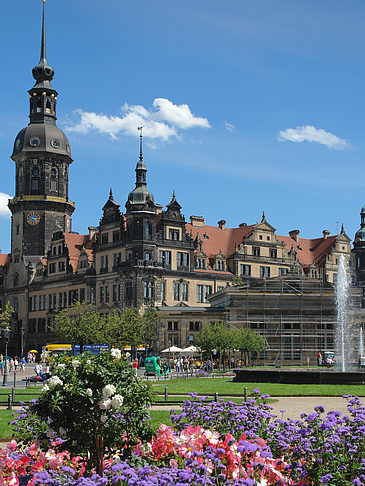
x: 162, y: 121
x: 308, y: 133
x: 4, y: 210
x: 229, y: 126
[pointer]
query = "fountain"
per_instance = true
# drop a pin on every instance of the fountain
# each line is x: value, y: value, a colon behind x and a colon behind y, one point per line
x: 342, y: 304
x: 361, y: 343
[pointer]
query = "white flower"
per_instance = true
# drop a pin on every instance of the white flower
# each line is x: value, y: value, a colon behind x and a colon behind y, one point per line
x: 103, y: 418
x: 61, y: 365
x: 67, y: 387
x: 54, y: 380
x: 117, y: 401
x: 88, y: 361
x: 108, y: 391
x: 89, y: 392
x: 62, y: 431
x: 105, y: 404
x: 45, y: 388
x: 51, y: 434
x: 116, y: 353
x: 75, y: 363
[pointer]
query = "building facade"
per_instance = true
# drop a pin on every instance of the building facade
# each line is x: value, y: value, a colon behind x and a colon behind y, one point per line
x: 145, y: 255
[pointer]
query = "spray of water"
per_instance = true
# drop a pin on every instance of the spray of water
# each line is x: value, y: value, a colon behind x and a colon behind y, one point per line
x: 361, y: 343
x: 342, y: 303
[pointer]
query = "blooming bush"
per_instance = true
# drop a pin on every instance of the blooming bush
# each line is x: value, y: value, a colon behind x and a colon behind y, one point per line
x: 91, y: 403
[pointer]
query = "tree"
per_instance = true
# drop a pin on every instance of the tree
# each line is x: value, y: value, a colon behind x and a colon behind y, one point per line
x: 215, y: 336
x: 81, y: 324
x: 246, y: 341
x: 6, y: 315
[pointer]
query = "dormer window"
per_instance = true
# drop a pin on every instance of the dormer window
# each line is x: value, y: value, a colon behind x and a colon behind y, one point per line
x: 174, y: 234
x: 104, y: 238
x: 200, y: 263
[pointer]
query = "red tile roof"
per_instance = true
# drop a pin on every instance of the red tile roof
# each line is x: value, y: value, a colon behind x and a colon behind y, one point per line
x: 4, y: 259
x: 309, y: 251
x: 219, y: 239
x: 75, y: 243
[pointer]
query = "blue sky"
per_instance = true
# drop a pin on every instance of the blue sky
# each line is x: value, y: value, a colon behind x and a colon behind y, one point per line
x: 247, y: 106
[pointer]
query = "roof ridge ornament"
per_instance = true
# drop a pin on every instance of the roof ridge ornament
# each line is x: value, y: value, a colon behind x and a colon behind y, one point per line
x: 140, y: 129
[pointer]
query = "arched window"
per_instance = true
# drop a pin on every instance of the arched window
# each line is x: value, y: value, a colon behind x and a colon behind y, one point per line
x: 48, y: 106
x: 147, y: 230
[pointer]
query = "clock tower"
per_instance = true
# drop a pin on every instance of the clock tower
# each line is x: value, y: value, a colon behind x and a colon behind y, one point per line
x: 42, y: 157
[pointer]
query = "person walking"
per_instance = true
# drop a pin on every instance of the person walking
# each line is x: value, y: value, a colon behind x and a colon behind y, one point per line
x: 23, y: 363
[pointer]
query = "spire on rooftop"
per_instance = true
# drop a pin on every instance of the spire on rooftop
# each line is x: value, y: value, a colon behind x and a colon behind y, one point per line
x: 42, y: 72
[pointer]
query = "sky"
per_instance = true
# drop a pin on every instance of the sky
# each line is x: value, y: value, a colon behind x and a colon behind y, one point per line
x: 246, y: 106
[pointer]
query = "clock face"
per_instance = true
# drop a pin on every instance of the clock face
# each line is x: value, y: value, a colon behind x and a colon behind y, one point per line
x: 33, y: 218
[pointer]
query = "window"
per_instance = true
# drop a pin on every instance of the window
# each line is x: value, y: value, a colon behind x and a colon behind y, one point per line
x: 61, y: 266
x: 17, y: 229
x: 35, y: 184
x: 106, y: 293
x: 335, y: 278
x: 147, y: 230
x: 182, y: 259
x: 53, y: 173
x: 273, y: 253
x: 265, y: 272
x: 101, y: 294
x: 42, y: 302
x: 148, y: 290
x: 82, y: 295
x: 163, y: 291
x: 42, y: 324
x: 260, y: 237
x: 32, y: 325
x: 73, y: 296
x: 54, y: 186
x: 16, y: 257
x: 128, y: 290
x: 148, y: 256
x: 256, y: 251
x: 200, y: 263
x: 92, y: 295
x: 164, y: 256
x: 199, y: 293
x: 176, y: 288
x: 116, y: 235
x: 220, y: 288
x: 172, y: 325
x: 208, y: 291
x: 52, y: 267
x: 184, y: 292
x: 245, y: 269
x: 104, y: 262
x: 16, y: 280
x: 219, y: 265
x: 115, y: 293
x: 173, y: 234
x: 33, y: 303
x: 194, y: 326
x: 104, y: 238
x: 60, y: 249
x: 283, y: 271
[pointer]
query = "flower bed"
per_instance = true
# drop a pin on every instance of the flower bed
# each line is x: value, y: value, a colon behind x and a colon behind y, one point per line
x: 211, y: 443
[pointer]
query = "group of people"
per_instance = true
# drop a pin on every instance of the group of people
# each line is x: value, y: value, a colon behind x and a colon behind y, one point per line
x: 13, y: 364
x: 326, y: 360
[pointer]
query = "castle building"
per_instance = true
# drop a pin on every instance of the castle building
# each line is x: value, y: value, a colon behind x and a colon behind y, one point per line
x: 146, y: 255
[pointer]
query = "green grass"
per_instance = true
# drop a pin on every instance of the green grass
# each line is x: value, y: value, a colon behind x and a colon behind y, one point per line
x: 225, y: 386
x: 5, y: 429
x: 160, y: 417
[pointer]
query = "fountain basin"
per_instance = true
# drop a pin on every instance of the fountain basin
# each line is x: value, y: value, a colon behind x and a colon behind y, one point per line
x: 299, y: 377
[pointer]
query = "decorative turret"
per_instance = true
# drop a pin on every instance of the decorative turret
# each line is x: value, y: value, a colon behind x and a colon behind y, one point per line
x: 140, y: 199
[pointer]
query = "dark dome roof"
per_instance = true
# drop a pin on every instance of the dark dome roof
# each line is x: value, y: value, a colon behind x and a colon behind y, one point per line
x: 42, y: 137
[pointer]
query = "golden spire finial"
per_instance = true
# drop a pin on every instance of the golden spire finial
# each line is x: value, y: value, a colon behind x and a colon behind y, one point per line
x: 44, y: 1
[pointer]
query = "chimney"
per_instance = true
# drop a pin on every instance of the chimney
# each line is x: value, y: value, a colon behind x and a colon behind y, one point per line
x: 158, y: 208
x: 294, y: 234
x: 197, y: 221
x: 92, y: 232
x: 325, y: 234
x: 222, y: 224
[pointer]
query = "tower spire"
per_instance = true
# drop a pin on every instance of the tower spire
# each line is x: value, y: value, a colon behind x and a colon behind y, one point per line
x: 43, y: 44
x: 140, y: 142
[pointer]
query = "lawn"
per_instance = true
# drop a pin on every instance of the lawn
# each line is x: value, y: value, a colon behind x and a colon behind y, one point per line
x: 226, y: 386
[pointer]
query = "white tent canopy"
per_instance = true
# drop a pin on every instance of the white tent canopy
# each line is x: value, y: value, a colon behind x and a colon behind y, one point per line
x: 172, y: 349
x: 191, y: 349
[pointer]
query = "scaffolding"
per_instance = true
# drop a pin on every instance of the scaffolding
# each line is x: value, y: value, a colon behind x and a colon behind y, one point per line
x: 295, y: 314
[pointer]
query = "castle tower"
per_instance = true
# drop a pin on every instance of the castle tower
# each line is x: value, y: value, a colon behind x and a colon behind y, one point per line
x: 42, y: 157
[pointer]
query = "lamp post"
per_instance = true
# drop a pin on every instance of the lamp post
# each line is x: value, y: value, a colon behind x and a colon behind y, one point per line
x: 6, y: 334
x: 22, y: 342
x: 169, y: 350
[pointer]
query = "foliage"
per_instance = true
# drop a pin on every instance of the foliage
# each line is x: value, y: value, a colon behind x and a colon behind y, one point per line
x: 216, y: 335
x: 6, y: 315
x: 89, y: 397
x: 80, y: 324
